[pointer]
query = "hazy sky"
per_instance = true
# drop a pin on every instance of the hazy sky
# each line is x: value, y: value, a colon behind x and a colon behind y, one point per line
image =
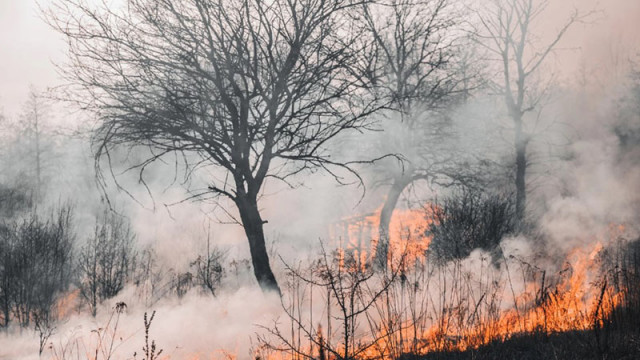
x: 28, y: 46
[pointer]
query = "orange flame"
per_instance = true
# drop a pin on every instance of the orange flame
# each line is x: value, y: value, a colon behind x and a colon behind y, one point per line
x: 407, y: 235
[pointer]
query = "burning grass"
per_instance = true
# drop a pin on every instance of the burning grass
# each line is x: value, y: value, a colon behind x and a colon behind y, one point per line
x: 419, y: 307
x: 511, y: 303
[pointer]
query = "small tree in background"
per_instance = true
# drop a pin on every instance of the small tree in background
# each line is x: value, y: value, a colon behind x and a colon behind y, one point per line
x: 14, y: 199
x: 208, y: 269
x: 35, y: 267
x: 31, y: 140
x: 469, y: 219
x: 627, y: 125
x: 106, y: 262
x: 507, y: 32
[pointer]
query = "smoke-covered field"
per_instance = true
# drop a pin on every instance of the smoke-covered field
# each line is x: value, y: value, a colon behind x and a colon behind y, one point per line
x: 438, y: 179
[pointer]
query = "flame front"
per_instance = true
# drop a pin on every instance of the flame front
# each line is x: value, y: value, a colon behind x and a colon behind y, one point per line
x: 471, y: 302
x: 434, y: 306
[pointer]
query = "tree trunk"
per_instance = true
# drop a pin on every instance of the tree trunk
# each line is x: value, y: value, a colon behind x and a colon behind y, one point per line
x: 38, y: 171
x: 253, y: 228
x: 521, y: 167
x: 382, y: 249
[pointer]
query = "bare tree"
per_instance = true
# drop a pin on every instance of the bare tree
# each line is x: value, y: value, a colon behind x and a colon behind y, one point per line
x: 14, y: 199
x: 416, y: 66
x: 148, y: 276
x: 627, y: 124
x: 506, y: 31
x: 44, y: 328
x: 32, y: 117
x: 30, y: 140
x: 35, y: 267
x: 106, y: 261
x: 208, y: 268
x: 8, y: 273
x: 351, y: 290
x: 255, y: 89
